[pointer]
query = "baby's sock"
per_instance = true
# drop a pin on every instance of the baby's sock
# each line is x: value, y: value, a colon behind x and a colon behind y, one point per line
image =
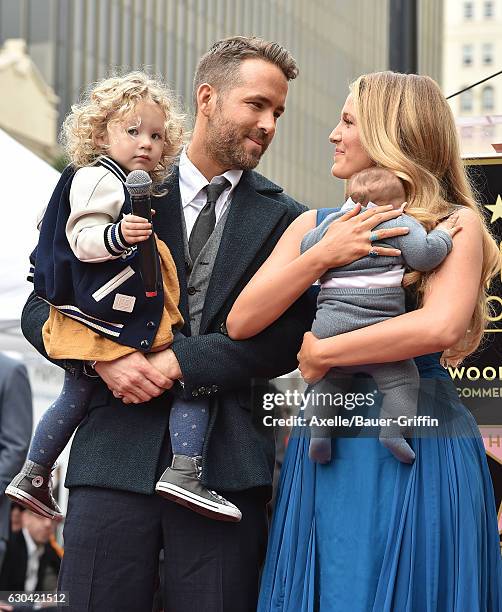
x: 320, y: 450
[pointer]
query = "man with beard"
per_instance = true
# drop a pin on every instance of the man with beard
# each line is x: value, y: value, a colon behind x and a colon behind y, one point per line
x: 115, y: 524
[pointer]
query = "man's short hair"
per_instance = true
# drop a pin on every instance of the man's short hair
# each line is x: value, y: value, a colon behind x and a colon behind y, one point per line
x: 219, y: 67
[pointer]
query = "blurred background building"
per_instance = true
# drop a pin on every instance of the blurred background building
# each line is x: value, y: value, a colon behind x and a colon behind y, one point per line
x: 75, y: 42
x: 472, y: 52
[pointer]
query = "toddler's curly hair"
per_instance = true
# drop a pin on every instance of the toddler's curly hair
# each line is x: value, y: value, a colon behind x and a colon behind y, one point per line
x: 110, y: 100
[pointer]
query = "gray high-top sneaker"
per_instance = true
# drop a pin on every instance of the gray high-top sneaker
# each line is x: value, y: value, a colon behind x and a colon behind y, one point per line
x: 181, y: 484
x: 32, y: 488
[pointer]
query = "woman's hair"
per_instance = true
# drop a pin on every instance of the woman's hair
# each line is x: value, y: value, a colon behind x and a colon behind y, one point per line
x: 406, y: 125
x: 110, y: 100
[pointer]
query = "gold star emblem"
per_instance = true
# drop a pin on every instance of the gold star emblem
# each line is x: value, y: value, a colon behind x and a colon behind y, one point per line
x: 495, y: 209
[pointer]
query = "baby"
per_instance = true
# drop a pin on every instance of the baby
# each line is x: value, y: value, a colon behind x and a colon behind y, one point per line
x: 363, y: 293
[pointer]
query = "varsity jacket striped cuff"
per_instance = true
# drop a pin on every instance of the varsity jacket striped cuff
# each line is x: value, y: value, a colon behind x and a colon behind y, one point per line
x: 114, y: 240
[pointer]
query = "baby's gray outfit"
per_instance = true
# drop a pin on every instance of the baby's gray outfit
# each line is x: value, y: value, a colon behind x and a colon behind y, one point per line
x: 341, y: 310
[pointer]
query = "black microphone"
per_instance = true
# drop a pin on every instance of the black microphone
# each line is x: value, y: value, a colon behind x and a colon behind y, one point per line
x: 139, y: 186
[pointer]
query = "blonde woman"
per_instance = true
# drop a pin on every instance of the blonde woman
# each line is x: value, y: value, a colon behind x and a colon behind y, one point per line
x: 87, y: 269
x: 366, y: 532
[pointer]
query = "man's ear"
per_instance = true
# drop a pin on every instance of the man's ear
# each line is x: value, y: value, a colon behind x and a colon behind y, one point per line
x: 206, y: 99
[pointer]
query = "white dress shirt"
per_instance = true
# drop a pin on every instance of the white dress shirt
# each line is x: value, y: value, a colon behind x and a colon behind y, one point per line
x: 193, y: 198
x: 34, y: 553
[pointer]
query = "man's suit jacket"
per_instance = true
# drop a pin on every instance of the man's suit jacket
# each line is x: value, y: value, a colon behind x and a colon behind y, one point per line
x: 16, y: 422
x: 13, y: 574
x: 121, y: 446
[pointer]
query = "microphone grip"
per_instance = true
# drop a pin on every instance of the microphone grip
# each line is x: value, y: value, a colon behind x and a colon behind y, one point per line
x: 147, y: 250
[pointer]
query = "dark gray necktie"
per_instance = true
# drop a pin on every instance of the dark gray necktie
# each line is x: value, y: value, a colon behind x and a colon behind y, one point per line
x: 204, y: 225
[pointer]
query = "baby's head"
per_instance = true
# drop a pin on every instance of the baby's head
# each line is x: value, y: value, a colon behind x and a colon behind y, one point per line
x: 376, y: 185
x: 133, y: 118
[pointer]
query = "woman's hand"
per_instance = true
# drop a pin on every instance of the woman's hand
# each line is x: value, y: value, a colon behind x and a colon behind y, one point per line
x: 310, y: 364
x: 351, y: 236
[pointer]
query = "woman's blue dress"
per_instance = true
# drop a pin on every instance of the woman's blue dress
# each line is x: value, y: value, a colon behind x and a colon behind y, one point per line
x: 366, y: 533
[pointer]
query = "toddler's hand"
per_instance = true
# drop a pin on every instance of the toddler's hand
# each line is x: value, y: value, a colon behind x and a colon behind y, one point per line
x: 135, y: 229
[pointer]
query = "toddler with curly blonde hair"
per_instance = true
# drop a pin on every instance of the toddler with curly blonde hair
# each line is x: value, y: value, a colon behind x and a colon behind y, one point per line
x: 100, y: 312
